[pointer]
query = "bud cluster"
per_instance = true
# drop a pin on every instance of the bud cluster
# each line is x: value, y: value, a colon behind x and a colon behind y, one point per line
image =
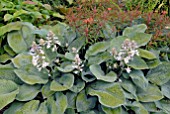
x: 77, y: 64
x: 126, y: 53
x: 38, y: 56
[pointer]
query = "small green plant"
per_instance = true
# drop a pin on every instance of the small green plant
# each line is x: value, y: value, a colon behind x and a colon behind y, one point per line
x: 57, y: 76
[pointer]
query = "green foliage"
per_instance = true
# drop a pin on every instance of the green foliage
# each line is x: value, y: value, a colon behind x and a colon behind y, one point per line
x: 113, y: 76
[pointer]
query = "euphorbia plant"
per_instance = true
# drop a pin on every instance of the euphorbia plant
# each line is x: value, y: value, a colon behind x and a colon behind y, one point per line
x: 57, y: 76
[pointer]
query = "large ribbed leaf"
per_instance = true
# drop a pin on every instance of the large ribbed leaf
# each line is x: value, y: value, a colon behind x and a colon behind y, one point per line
x: 99, y: 58
x: 117, y: 43
x: 96, y: 48
x: 88, y: 76
x: 83, y: 103
x: 28, y: 92
x: 137, y: 63
x: 129, y: 86
x: 27, y: 34
x: 46, y: 92
x: 61, y: 102
x: 99, y: 74
x: 78, y: 85
x: 4, y: 58
x: 14, y: 107
x: 165, y: 88
x: 150, y: 106
x: 164, y: 105
x: 146, y: 54
x: 159, y: 75
x: 33, y: 107
x: 16, y: 42
x: 10, y: 27
x: 30, y: 75
x: 70, y: 111
x: 22, y: 60
x: 150, y: 94
x: 108, y: 92
x: 112, y: 110
x: 139, y: 79
x: 8, y: 91
x: 129, y: 31
x: 7, y: 72
x: 108, y: 31
x: 141, y: 38
x: 77, y: 43
x: 137, y: 107
x: 63, y: 83
x: 71, y: 99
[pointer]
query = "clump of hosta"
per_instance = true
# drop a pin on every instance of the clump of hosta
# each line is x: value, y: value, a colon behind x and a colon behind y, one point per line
x: 127, y: 52
x: 70, y: 79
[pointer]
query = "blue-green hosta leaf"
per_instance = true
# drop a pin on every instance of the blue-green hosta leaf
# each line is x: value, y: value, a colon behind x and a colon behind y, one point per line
x: 146, y: 54
x: 99, y: 58
x: 9, y: 50
x: 117, y: 43
x: 30, y: 75
x: 51, y: 105
x: 109, y: 94
x: 10, y: 27
x: 83, y: 103
x: 141, y: 38
x: 112, y: 110
x: 27, y: 34
x: 14, y: 107
x: 152, y: 63
x: 165, y: 88
x: 159, y: 75
x: 66, y: 69
x: 7, y: 72
x: 77, y: 43
x: 8, y: 92
x: 108, y: 31
x: 78, y: 85
x: 139, y: 79
x: 70, y: 111
x: 70, y: 56
x: 63, y: 83
x: 137, y: 63
x: 99, y: 74
x: 164, y: 105
x: 49, y: 54
x: 61, y: 102
x: 129, y: 86
x: 4, y: 58
x: 69, y: 35
x: 22, y: 59
x: 87, y: 76
x: 28, y: 92
x: 150, y: 106
x: 150, y: 94
x: 137, y: 107
x: 71, y: 99
x: 129, y: 31
x: 88, y: 112
x: 96, y: 48
x: 46, y: 92
x: 33, y: 107
x: 16, y: 42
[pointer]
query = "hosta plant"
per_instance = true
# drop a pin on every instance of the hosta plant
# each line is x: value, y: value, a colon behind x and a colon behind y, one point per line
x: 57, y: 75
